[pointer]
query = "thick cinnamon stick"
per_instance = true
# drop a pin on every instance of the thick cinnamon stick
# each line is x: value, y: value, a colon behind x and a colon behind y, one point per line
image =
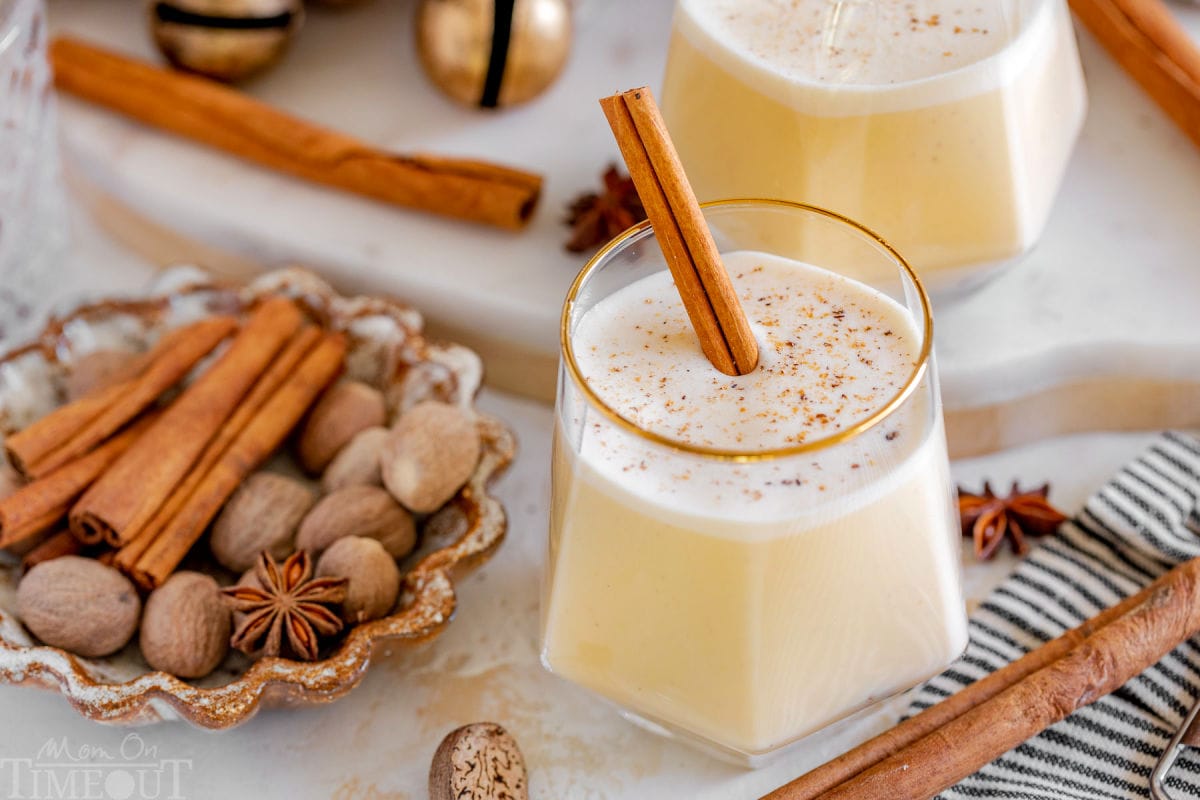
x: 679, y: 227
x: 871, y: 752
x: 1147, y: 41
x: 139, y: 540
x: 229, y: 120
x: 40, y: 505
x: 72, y: 430
x: 1167, y: 615
x: 274, y: 420
x: 135, y: 487
x: 63, y: 543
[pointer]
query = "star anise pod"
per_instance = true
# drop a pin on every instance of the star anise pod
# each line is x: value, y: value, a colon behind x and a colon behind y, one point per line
x: 596, y: 218
x: 989, y: 519
x: 290, y: 605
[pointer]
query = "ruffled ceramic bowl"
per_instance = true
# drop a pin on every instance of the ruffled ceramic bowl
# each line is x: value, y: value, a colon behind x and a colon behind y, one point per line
x: 387, y: 350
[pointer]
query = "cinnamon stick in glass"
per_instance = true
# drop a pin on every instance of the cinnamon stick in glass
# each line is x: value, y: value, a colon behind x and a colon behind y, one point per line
x: 229, y: 120
x: 268, y: 428
x: 949, y: 741
x: 140, y: 539
x: 708, y: 295
x: 136, y: 486
x: 69, y: 432
x: 1148, y: 42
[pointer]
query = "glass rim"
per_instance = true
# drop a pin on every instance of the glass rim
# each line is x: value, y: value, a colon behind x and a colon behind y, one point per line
x: 724, y: 454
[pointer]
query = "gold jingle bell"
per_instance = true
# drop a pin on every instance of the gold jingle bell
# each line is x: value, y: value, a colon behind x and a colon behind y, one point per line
x: 493, y: 53
x: 224, y: 39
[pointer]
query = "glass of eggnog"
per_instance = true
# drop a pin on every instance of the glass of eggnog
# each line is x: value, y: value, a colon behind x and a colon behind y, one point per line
x: 742, y: 561
x: 944, y: 125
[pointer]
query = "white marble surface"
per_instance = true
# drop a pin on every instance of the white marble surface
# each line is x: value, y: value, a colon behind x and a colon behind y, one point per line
x: 1108, y: 294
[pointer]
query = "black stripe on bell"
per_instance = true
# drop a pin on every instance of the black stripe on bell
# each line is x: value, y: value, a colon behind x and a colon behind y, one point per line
x: 224, y: 39
x: 493, y: 53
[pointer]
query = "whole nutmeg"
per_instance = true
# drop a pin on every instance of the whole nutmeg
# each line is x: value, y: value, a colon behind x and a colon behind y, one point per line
x: 430, y: 453
x: 473, y: 759
x: 262, y: 515
x: 356, y: 464
x: 80, y: 605
x: 366, y: 511
x: 186, y: 627
x: 374, y: 578
x: 346, y: 409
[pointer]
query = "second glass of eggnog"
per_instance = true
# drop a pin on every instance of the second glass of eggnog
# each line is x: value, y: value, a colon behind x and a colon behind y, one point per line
x: 944, y: 125
x: 742, y: 561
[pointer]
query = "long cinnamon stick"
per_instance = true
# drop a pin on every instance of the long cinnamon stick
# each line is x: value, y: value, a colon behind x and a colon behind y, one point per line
x: 1148, y: 42
x: 274, y: 420
x: 1122, y: 642
x: 72, y: 430
x: 708, y: 295
x: 41, y: 504
x: 229, y: 120
x: 63, y: 543
x: 141, y: 480
x: 140, y: 539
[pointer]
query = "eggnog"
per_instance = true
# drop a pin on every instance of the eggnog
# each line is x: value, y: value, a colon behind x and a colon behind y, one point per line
x: 748, y: 604
x: 944, y: 125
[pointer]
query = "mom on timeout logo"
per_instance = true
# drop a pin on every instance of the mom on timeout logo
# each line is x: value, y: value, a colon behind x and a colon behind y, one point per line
x: 62, y: 770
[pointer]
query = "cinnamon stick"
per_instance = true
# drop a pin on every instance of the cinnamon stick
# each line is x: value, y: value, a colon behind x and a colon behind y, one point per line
x: 40, y: 505
x: 140, y: 539
x: 1134, y: 635
x: 229, y: 120
x: 141, y: 480
x: 72, y: 430
x: 274, y: 420
x: 708, y: 295
x: 63, y: 543
x: 25, y: 447
x: 1148, y: 42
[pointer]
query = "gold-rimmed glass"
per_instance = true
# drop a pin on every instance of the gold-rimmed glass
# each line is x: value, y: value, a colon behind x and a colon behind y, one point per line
x: 709, y: 626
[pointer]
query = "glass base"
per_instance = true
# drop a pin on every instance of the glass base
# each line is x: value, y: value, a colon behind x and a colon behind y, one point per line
x: 747, y: 759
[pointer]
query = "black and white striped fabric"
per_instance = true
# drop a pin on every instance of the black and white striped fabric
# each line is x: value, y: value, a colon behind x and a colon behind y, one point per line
x: 1142, y: 523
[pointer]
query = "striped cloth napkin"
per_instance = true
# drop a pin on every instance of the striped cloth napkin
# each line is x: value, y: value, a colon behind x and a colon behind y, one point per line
x: 1140, y: 524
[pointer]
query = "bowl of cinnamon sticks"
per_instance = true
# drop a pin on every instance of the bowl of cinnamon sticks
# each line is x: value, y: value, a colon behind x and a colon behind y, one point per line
x: 218, y: 497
